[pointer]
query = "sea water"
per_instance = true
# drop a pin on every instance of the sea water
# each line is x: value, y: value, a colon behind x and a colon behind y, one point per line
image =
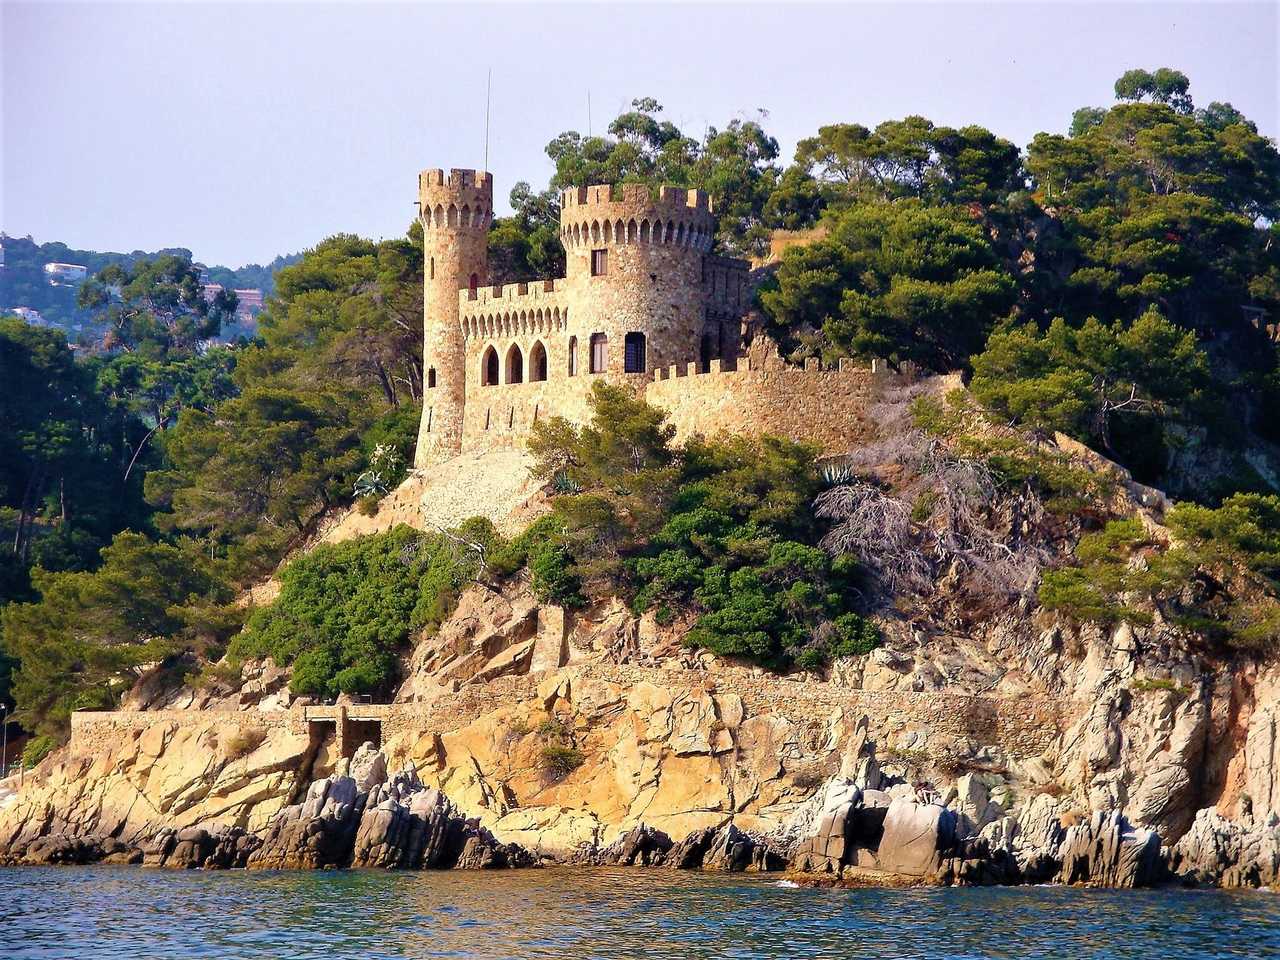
x: 130, y: 912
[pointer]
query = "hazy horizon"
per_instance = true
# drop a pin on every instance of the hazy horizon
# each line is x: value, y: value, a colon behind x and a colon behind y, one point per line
x: 246, y: 130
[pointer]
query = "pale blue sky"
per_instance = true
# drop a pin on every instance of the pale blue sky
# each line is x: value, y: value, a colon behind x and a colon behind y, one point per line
x: 243, y: 130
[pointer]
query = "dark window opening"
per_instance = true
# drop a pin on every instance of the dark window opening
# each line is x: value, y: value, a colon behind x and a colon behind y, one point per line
x: 431, y: 378
x: 538, y: 362
x: 706, y: 354
x: 515, y: 365
x: 573, y: 356
x: 599, y: 352
x: 489, y: 368
x: 433, y: 268
x: 633, y: 359
x: 599, y: 263
x: 473, y: 283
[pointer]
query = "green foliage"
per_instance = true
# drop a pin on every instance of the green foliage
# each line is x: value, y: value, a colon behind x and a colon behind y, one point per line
x: 155, y: 307
x: 89, y: 634
x: 1080, y: 380
x: 1218, y: 577
x: 37, y: 749
x: 724, y: 530
x: 733, y: 164
x: 902, y: 280
x: 559, y: 760
x: 345, y: 611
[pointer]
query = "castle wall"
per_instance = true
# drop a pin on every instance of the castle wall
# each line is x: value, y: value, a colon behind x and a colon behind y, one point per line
x: 823, y: 405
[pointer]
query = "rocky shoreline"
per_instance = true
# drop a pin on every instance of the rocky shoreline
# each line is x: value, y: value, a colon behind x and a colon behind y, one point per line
x: 853, y: 832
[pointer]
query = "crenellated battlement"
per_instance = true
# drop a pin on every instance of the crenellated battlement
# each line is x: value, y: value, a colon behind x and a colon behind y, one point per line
x: 633, y: 213
x: 457, y: 179
x: 513, y: 309
x: 461, y: 199
x: 772, y: 364
x: 637, y: 196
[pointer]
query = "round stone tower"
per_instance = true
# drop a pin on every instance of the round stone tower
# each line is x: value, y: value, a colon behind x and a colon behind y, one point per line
x: 634, y: 276
x: 456, y: 211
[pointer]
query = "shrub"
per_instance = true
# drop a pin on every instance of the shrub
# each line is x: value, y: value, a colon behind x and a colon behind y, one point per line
x: 244, y: 741
x: 346, y: 610
x: 559, y: 760
x: 37, y: 749
x: 367, y: 506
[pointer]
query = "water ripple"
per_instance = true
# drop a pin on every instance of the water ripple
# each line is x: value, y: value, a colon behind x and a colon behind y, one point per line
x: 123, y: 912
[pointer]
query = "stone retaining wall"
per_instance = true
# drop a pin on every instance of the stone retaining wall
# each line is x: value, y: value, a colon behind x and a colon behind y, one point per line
x: 1021, y: 727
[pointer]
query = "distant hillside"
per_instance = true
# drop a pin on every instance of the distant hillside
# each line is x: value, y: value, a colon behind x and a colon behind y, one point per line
x: 23, y: 282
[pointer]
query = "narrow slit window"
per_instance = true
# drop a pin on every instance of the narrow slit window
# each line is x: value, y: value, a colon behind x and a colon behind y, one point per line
x: 599, y: 352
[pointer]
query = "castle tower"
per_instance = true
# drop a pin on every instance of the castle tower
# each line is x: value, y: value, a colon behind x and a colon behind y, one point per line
x: 455, y: 211
x: 636, y: 275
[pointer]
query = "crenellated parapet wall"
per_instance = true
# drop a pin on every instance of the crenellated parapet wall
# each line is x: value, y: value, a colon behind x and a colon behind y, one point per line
x: 817, y: 403
x: 514, y: 309
x: 634, y: 214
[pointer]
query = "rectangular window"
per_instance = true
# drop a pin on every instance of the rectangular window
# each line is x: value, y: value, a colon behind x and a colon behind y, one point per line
x: 599, y: 262
x: 633, y: 360
x: 599, y: 352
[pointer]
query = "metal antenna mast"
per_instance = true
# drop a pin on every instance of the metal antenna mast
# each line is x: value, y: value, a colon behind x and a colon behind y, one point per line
x: 488, y: 89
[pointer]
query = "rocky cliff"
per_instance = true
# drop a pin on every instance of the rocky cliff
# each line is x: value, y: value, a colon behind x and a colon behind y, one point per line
x: 1022, y: 751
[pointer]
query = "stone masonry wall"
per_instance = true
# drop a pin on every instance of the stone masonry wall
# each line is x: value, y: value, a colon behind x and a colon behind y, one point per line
x: 1021, y: 727
x: 825, y: 405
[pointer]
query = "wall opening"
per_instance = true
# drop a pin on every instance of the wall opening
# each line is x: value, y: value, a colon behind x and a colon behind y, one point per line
x: 538, y: 362
x: 633, y: 353
x: 706, y: 353
x: 599, y: 263
x: 489, y: 368
x: 473, y: 283
x: 431, y: 377
x: 515, y: 365
x: 599, y: 353
x: 358, y: 732
x: 433, y: 268
x: 573, y: 356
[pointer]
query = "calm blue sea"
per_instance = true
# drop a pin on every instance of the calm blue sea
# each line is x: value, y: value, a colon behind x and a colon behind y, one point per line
x: 128, y: 912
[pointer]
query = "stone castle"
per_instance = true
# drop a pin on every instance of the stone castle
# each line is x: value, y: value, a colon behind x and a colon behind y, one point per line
x: 644, y: 302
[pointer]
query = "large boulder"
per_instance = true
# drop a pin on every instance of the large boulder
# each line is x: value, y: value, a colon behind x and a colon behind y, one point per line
x: 1107, y: 851
x: 917, y: 837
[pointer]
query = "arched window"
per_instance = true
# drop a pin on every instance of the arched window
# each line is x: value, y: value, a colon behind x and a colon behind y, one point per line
x: 573, y: 356
x: 706, y: 354
x: 515, y: 365
x: 489, y: 368
x: 599, y: 353
x: 538, y: 362
x: 431, y: 378
x: 633, y: 360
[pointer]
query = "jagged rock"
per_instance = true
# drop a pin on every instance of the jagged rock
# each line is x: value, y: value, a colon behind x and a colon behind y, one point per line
x: 640, y: 846
x: 58, y: 849
x: 368, y: 767
x: 1106, y: 850
x: 316, y: 833
x: 1221, y: 852
x: 689, y: 852
x: 916, y: 838
x: 971, y: 800
x: 405, y: 825
x: 734, y: 851
x: 218, y: 848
